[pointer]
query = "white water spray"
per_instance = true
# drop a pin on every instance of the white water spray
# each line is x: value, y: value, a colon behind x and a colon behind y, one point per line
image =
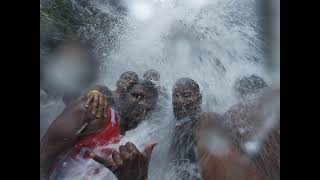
x: 213, y: 42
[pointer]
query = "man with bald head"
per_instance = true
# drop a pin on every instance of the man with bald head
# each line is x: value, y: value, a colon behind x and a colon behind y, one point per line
x: 154, y: 76
x: 249, y: 85
x: 124, y: 83
x: 126, y: 80
x: 186, y: 98
x: 186, y: 101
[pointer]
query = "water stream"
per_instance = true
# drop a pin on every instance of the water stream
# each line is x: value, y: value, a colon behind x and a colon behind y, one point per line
x: 213, y: 42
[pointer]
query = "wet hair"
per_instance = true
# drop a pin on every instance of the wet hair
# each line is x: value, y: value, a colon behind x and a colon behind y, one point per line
x: 132, y: 74
x: 249, y: 85
x: 134, y: 77
x: 190, y: 83
x: 149, y: 86
x: 151, y: 73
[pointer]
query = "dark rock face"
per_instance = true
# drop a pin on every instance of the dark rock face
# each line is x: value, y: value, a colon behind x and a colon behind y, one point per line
x: 62, y: 21
x: 71, y: 20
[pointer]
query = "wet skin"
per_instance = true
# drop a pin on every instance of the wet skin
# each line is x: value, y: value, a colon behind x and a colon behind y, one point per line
x: 135, y: 106
x: 126, y: 80
x: 186, y: 101
x: 63, y: 133
x: 128, y: 163
x: 65, y: 129
x: 235, y: 163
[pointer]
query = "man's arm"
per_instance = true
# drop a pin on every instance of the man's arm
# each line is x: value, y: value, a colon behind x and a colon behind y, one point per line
x: 64, y: 131
x: 218, y: 156
x: 219, y: 152
x: 60, y: 136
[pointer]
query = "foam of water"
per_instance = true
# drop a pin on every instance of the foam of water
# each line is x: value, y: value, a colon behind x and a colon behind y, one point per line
x: 186, y: 41
x: 181, y: 39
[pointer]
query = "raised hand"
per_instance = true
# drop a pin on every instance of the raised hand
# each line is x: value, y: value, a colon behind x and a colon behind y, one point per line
x: 129, y: 163
x: 98, y: 103
x: 66, y: 128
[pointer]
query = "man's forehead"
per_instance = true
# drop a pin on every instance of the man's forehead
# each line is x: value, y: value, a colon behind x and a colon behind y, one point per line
x: 182, y: 87
x: 127, y: 75
x: 140, y: 88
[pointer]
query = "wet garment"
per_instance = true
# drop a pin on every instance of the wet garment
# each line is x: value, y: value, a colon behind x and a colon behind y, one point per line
x: 182, y: 151
x: 110, y: 134
x: 183, y: 142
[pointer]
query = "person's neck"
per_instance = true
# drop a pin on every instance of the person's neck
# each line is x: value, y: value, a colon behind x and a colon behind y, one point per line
x: 191, y: 114
x: 119, y: 91
x: 116, y: 100
x: 122, y: 116
x: 123, y: 127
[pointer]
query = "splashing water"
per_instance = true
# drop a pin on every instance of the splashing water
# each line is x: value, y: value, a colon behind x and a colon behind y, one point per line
x: 212, y: 44
x: 211, y: 41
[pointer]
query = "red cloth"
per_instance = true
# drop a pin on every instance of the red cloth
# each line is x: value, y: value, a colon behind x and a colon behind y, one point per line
x: 108, y: 135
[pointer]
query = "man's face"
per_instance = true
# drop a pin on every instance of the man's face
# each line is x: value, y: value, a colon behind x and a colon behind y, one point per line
x: 125, y: 81
x: 153, y: 77
x: 137, y: 105
x: 185, y: 101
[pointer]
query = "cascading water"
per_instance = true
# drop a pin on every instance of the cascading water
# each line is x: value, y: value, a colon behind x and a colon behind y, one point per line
x: 213, y: 42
